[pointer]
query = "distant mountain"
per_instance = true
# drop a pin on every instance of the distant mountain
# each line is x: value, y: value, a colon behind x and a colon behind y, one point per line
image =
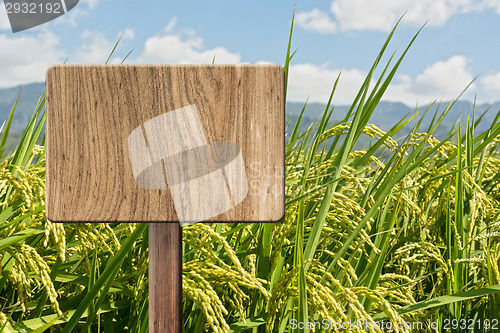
x: 385, y: 116
x: 30, y: 94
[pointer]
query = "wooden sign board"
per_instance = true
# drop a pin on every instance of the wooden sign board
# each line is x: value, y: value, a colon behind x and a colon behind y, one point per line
x: 165, y: 143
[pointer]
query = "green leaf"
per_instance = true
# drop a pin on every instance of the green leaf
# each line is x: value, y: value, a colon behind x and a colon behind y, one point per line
x: 442, y: 300
x: 107, y: 275
x: 241, y: 326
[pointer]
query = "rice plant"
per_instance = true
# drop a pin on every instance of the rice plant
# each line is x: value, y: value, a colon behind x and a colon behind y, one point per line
x: 405, y: 231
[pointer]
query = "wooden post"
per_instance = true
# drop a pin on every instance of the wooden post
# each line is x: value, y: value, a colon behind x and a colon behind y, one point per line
x: 165, y: 277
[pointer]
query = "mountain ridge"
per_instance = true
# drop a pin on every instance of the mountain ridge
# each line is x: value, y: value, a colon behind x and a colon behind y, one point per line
x: 385, y: 115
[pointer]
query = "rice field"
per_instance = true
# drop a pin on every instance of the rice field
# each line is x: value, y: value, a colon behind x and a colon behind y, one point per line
x: 405, y: 232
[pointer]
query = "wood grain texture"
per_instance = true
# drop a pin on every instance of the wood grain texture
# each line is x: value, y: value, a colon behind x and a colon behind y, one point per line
x: 92, y: 110
x: 165, y: 278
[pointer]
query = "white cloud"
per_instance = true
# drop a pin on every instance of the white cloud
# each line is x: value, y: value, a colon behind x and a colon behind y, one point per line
x: 129, y: 33
x: 91, y: 3
x: 450, y: 76
x: 491, y: 86
x: 442, y: 80
x: 25, y: 59
x: 493, y: 4
x: 309, y: 81
x: 183, y: 49
x: 316, y: 20
x: 4, y: 19
x: 382, y: 15
x: 71, y: 18
x: 94, y: 50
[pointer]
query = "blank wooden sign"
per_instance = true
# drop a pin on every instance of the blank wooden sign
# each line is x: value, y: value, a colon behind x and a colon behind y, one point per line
x: 165, y: 143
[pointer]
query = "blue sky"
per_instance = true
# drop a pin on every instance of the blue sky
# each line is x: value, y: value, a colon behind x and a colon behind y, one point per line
x: 459, y: 42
